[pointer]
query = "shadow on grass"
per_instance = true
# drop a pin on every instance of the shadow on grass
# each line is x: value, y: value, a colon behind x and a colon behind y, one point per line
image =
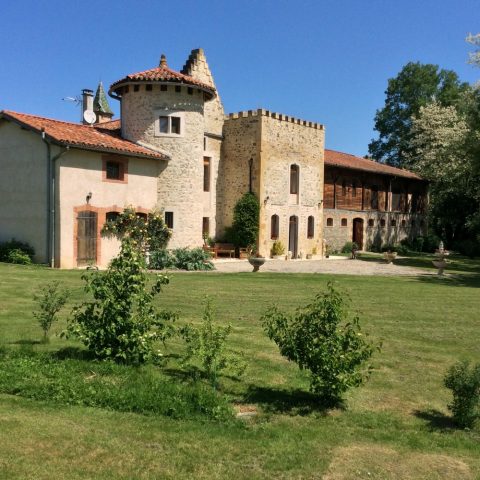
x: 436, y: 420
x: 294, y: 402
x: 74, y: 353
x: 451, y: 279
x: 26, y: 342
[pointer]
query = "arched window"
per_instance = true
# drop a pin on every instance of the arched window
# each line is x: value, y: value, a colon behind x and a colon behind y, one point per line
x: 329, y: 222
x: 294, y: 178
x: 394, y: 222
x: 275, y: 227
x: 311, y: 227
x: 344, y: 222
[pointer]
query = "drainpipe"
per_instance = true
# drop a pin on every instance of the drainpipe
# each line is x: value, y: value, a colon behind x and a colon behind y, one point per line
x: 51, y: 198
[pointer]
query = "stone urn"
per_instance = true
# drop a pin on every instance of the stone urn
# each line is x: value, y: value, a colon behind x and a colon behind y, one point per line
x: 440, y: 261
x: 390, y: 256
x: 256, y: 262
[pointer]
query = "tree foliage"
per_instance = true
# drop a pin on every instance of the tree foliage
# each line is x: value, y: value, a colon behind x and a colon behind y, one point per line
x: 415, y: 86
x: 246, y: 218
x: 319, y: 340
x: 149, y: 232
x: 121, y: 322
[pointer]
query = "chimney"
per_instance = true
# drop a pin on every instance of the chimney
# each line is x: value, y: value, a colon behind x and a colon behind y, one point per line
x: 87, y: 102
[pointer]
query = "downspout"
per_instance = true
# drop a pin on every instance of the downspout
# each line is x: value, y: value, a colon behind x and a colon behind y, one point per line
x: 51, y: 198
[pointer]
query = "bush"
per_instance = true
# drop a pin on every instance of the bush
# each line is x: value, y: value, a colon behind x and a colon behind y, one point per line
x: 401, y: 249
x: 149, y: 233
x: 418, y: 243
x: 18, y: 257
x: 181, y: 258
x: 349, y: 247
x: 50, y: 301
x: 430, y: 243
x: 123, y: 388
x: 246, y: 219
x: 192, y: 259
x: 467, y: 247
x: 206, y: 346
x: 13, y: 249
x: 465, y: 385
x: 277, y: 248
x: 318, y: 340
x: 121, y: 322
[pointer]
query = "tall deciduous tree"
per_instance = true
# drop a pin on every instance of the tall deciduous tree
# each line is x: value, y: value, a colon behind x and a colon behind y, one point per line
x: 414, y: 87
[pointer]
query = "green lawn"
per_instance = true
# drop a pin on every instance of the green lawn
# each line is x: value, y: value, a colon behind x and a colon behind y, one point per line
x: 397, y: 426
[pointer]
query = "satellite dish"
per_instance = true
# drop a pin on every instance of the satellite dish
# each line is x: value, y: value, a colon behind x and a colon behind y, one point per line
x: 89, y: 116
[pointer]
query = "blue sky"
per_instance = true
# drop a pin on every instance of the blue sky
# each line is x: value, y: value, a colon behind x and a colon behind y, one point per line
x: 324, y: 61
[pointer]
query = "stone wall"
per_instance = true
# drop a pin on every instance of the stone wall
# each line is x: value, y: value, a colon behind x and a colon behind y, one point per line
x: 274, y: 142
x: 180, y: 183
x: 406, y: 226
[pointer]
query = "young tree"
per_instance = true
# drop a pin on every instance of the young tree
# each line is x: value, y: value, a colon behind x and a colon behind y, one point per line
x: 121, y: 322
x: 319, y: 340
x: 414, y: 87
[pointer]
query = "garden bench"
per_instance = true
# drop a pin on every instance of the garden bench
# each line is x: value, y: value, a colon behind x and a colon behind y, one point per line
x: 224, y: 249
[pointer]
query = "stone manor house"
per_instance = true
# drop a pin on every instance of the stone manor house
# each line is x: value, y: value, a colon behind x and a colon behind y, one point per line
x: 174, y: 149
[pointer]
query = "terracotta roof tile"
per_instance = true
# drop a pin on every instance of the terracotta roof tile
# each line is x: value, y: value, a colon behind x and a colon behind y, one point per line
x: 163, y: 74
x: 82, y: 136
x: 110, y: 125
x: 346, y: 160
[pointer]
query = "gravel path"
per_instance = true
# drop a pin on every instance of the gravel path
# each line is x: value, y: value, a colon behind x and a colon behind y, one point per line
x: 340, y: 265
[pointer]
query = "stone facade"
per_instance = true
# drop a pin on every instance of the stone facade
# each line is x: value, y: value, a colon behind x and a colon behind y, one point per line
x: 259, y: 149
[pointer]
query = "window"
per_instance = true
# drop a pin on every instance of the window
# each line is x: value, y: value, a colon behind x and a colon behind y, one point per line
x: 163, y: 88
x: 382, y: 222
x: 148, y: 88
x: 394, y: 222
x: 274, y: 229
x: 111, y: 216
x: 141, y: 215
x: 190, y: 90
x: 371, y: 222
x: 170, y: 124
x: 310, y: 227
x: 329, y: 222
x: 206, y: 174
x: 205, y: 227
x: 404, y: 224
x: 354, y: 189
x: 113, y: 170
x: 294, y: 179
x: 178, y: 89
x: 169, y: 219
x: 344, y: 222
x: 344, y: 188
x: 136, y: 88
x: 204, y: 143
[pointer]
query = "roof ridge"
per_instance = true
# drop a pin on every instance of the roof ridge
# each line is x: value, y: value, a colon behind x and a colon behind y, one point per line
x: 47, y: 118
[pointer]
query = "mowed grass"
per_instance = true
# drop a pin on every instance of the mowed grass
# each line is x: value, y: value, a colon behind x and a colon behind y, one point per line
x: 396, y: 426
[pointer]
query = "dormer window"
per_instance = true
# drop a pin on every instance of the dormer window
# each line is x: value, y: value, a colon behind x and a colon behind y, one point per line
x: 169, y: 124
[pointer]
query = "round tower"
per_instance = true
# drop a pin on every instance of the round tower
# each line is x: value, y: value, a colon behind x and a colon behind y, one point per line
x: 163, y: 109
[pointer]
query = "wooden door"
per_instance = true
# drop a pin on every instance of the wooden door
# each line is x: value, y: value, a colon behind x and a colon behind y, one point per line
x: 358, y: 232
x: 86, y: 238
x: 293, y: 236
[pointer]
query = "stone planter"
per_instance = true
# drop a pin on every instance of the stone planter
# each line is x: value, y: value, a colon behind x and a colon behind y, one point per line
x: 390, y: 256
x: 441, y: 265
x: 256, y: 262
